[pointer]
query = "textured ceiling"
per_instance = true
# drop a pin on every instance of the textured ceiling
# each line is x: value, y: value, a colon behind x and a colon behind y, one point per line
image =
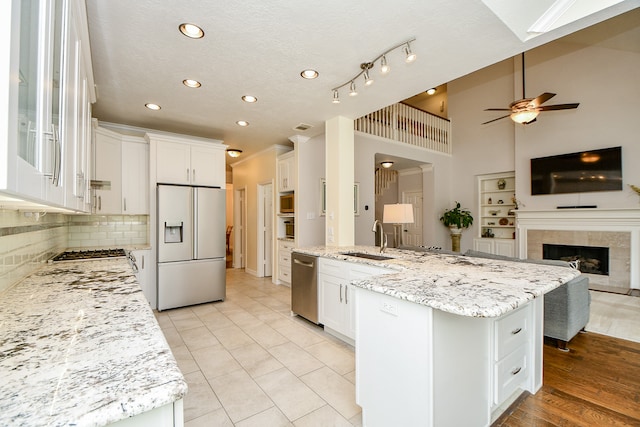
x: 259, y: 47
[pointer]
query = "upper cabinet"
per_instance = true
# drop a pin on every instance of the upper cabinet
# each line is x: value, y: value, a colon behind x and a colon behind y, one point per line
x: 121, y: 174
x: 188, y: 162
x: 43, y: 148
x: 287, y: 172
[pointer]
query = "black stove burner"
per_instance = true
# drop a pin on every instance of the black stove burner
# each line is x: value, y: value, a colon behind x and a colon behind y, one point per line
x: 93, y: 254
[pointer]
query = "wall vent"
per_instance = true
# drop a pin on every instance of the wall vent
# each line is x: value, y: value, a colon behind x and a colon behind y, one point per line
x: 302, y: 127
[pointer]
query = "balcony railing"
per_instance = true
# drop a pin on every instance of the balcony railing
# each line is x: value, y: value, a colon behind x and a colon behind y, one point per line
x: 410, y: 125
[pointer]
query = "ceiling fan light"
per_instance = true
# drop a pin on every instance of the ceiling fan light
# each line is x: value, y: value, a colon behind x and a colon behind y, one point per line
x: 524, y: 117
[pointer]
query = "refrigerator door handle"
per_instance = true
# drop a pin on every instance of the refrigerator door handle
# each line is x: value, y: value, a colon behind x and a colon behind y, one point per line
x: 195, y: 223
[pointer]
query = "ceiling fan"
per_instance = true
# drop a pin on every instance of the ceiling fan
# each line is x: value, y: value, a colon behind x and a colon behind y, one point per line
x: 526, y: 110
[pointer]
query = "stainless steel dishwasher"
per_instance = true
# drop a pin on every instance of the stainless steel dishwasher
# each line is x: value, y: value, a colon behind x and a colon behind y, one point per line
x: 304, y: 286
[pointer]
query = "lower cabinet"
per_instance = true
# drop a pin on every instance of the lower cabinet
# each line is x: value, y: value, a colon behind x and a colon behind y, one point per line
x: 434, y: 360
x: 284, y: 260
x: 336, y: 296
x: 505, y: 247
x: 170, y: 415
x: 145, y: 278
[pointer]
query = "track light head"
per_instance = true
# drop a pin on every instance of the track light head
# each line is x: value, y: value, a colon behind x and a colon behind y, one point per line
x: 410, y: 56
x: 352, y: 89
x: 384, y: 67
x: 336, y: 97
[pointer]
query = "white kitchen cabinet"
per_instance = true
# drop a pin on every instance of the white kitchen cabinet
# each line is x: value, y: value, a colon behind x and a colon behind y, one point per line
x: 287, y: 172
x: 145, y: 264
x: 135, y: 176
x: 42, y: 76
x: 504, y: 247
x: 434, y: 360
x: 189, y: 163
x: 336, y: 296
x: 108, y: 172
x: 284, y: 260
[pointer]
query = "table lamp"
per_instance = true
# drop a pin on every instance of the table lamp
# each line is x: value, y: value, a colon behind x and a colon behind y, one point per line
x: 397, y: 214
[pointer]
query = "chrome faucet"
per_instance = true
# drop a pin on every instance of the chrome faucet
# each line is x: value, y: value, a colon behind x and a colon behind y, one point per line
x: 383, y: 237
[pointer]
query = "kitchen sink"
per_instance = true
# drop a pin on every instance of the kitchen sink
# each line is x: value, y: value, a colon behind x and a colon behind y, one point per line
x: 367, y: 256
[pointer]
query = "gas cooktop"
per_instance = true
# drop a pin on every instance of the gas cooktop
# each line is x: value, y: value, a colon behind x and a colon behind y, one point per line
x: 89, y: 254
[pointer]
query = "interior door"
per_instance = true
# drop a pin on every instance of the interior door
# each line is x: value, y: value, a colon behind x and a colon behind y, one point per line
x: 412, y: 233
x: 267, y: 228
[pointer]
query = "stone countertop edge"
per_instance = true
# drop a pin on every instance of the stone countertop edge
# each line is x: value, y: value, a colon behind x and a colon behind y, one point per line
x: 457, y: 284
x: 81, y: 346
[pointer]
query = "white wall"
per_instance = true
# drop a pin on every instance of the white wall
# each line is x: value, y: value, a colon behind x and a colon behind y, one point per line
x: 366, y: 147
x: 603, y: 80
x: 310, y: 225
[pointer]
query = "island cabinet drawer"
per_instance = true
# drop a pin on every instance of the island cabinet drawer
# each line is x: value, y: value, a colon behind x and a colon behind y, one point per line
x: 510, y: 374
x: 334, y: 268
x: 512, y: 331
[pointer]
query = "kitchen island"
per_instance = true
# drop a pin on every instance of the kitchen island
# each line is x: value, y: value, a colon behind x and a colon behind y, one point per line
x: 80, y: 346
x: 445, y: 339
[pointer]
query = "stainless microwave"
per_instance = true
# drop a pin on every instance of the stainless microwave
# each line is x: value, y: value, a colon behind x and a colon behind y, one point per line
x: 287, y: 203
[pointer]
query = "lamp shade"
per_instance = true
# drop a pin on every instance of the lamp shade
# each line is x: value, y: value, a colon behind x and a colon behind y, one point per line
x: 398, y: 213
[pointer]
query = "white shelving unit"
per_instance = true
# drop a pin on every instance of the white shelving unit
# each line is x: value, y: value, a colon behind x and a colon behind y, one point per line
x: 497, y: 231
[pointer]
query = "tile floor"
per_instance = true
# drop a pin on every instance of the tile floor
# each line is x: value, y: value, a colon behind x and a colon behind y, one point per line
x: 249, y: 363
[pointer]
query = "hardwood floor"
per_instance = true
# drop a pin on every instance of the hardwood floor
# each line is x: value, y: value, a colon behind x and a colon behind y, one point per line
x: 597, y: 383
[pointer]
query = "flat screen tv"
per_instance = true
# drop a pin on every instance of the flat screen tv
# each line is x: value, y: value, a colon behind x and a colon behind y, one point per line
x: 586, y: 171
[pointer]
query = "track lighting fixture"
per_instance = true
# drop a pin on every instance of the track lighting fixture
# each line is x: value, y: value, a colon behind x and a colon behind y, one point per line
x: 410, y: 55
x: 384, y: 67
x: 352, y: 89
x: 365, y: 68
x: 336, y: 97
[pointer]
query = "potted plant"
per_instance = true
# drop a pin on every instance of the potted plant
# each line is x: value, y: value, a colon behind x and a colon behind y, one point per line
x: 456, y: 219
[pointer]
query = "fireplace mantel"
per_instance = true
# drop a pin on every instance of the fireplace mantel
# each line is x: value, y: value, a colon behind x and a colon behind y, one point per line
x: 624, y: 220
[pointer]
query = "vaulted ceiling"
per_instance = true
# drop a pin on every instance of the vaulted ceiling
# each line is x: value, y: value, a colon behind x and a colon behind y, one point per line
x: 259, y: 48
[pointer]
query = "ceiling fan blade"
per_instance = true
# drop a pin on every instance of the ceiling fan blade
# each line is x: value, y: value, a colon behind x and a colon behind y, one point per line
x: 530, y: 121
x: 490, y: 121
x: 497, y: 109
x: 559, y: 107
x: 542, y: 99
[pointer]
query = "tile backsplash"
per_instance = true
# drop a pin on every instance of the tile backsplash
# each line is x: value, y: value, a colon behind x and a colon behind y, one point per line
x: 26, y: 241
x: 108, y: 230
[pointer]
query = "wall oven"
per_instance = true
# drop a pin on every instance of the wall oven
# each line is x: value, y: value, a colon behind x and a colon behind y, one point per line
x: 287, y: 203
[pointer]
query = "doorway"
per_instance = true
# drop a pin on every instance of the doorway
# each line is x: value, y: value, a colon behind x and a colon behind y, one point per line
x: 240, y: 234
x: 412, y: 234
x: 265, y: 230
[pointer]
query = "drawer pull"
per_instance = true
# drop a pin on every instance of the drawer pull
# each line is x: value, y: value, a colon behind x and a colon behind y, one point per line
x: 515, y: 371
x: 340, y: 293
x: 516, y: 331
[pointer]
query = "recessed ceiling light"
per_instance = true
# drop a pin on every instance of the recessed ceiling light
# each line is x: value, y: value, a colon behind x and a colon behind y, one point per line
x: 249, y: 98
x: 386, y: 164
x: 192, y: 31
x: 431, y: 91
x: 242, y: 123
x: 152, y: 106
x: 309, y: 74
x: 191, y: 83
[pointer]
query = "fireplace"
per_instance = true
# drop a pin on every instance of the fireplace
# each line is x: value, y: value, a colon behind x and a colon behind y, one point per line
x: 591, y: 259
x: 616, y: 230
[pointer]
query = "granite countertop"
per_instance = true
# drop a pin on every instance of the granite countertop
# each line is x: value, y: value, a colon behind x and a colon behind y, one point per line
x: 80, y: 346
x: 457, y: 284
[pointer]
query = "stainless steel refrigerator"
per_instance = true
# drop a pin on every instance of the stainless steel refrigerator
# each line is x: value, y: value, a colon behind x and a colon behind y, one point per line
x: 191, y: 245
